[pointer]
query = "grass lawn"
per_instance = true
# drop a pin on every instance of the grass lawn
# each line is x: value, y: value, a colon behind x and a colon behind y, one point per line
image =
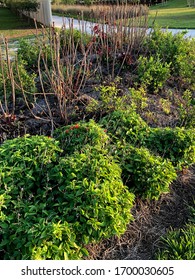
x: 173, y: 14
x: 11, y: 26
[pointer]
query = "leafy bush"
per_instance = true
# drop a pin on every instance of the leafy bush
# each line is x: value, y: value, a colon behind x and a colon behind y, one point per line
x: 178, y: 244
x: 110, y: 99
x: 96, y: 201
x: 153, y: 73
x: 176, y: 144
x: 50, y: 206
x: 146, y: 175
x: 75, y: 137
x: 175, y: 50
x: 126, y: 126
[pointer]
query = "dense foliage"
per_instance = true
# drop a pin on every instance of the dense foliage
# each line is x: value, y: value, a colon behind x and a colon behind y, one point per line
x: 145, y: 174
x: 76, y: 137
x: 176, y: 144
x: 52, y: 205
x: 126, y: 125
x: 175, y: 53
x: 59, y: 194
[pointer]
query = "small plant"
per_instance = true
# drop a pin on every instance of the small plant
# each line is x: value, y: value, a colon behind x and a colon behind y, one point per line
x: 126, y: 126
x: 138, y: 98
x: 110, y: 99
x: 153, y: 73
x: 176, y: 144
x: 147, y: 176
x: 165, y: 104
x: 178, y: 244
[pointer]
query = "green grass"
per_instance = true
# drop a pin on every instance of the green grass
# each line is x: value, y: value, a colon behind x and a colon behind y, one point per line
x: 11, y: 26
x: 173, y: 14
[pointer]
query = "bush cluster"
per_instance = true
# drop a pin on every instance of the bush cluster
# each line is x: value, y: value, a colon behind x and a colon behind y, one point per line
x: 149, y: 157
x: 52, y: 205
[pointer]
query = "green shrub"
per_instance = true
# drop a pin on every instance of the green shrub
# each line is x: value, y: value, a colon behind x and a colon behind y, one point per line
x: 153, y: 73
x: 146, y: 175
x: 101, y: 205
x: 178, y: 244
x: 125, y: 126
x: 108, y: 101
x: 51, y: 206
x: 75, y: 137
x: 176, y: 50
x: 111, y: 99
x: 176, y: 144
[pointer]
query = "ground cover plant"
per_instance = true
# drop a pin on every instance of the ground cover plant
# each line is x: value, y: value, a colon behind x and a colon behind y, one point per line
x: 179, y: 245
x: 97, y: 177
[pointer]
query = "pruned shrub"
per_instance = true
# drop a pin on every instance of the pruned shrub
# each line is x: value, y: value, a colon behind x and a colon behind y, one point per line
x: 146, y: 175
x: 95, y: 199
x: 126, y: 126
x: 178, y: 244
x: 74, y: 137
x: 176, y: 144
x: 50, y: 206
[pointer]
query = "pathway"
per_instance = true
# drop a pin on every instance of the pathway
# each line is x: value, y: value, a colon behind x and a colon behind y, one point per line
x: 58, y: 21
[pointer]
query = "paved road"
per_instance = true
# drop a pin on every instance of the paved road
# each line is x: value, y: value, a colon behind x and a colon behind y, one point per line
x: 58, y: 21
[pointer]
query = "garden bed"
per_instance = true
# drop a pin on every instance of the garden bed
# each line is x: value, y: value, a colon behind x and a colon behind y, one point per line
x: 108, y: 167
